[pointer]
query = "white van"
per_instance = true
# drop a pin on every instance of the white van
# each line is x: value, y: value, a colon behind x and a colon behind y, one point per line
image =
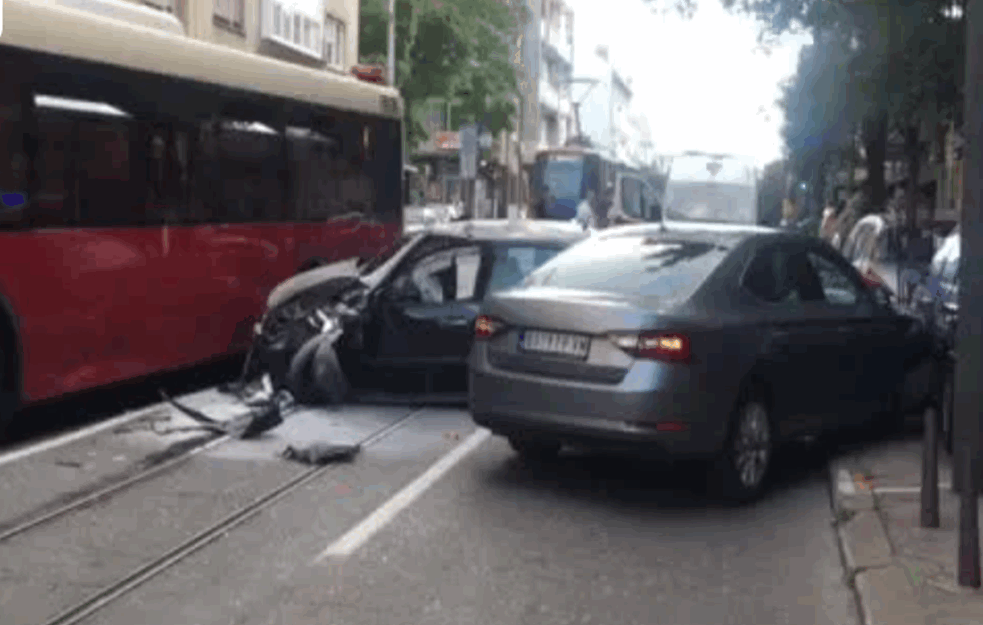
x: 712, y: 187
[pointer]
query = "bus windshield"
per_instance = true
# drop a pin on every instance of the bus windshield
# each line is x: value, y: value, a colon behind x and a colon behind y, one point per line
x: 711, y: 188
x: 557, y: 185
x: 561, y: 178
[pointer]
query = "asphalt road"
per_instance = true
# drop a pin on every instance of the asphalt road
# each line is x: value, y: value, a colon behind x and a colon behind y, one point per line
x: 491, y: 540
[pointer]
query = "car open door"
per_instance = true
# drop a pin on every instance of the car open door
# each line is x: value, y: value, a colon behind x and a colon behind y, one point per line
x: 425, y: 315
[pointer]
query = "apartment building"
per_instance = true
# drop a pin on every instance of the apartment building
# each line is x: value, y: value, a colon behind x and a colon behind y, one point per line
x: 316, y: 33
x: 605, y: 107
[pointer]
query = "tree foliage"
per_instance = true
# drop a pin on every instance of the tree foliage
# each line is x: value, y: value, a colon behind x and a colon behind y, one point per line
x: 875, y: 66
x: 448, y: 50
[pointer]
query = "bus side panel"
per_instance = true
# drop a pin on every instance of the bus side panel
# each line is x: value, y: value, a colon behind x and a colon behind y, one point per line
x: 87, y: 305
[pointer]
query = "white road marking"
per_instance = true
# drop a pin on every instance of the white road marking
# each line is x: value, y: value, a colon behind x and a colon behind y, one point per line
x: 845, y: 483
x: 71, y: 437
x: 357, y: 536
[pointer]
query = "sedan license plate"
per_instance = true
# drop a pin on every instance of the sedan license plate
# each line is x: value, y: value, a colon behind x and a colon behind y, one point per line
x: 573, y: 345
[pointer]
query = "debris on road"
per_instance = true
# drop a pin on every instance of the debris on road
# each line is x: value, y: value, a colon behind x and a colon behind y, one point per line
x: 322, y: 453
x: 265, y: 414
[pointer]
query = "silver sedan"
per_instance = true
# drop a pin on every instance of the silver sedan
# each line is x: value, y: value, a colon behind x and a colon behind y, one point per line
x: 693, y: 341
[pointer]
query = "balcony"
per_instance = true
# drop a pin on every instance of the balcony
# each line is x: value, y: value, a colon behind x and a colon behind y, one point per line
x: 555, y: 44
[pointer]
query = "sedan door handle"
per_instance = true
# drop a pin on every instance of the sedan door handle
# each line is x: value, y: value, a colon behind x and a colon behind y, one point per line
x: 456, y: 321
x: 845, y: 330
x: 780, y: 334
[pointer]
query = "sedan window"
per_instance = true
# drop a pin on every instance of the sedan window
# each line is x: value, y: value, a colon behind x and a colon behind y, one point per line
x: 440, y: 277
x: 662, y: 269
x: 512, y: 263
x: 838, y: 288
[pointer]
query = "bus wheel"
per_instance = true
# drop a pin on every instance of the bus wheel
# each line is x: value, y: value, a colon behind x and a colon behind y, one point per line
x: 8, y: 395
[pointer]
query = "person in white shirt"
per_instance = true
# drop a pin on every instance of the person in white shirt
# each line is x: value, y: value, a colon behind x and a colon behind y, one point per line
x: 585, y: 211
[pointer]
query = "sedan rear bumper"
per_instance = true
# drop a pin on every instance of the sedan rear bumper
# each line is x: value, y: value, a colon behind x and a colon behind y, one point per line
x: 598, y: 419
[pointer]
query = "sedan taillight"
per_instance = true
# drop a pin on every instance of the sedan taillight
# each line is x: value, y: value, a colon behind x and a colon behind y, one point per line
x: 667, y: 346
x: 486, y: 327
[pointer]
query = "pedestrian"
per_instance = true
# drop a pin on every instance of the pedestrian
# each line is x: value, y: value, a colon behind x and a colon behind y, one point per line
x: 586, y: 211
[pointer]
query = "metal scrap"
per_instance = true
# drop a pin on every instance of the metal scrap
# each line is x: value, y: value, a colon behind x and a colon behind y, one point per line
x: 322, y: 453
x: 264, y: 415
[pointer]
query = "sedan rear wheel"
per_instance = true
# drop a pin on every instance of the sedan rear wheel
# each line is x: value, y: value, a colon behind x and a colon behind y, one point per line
x: 534, y: 449
x: 743, y: 467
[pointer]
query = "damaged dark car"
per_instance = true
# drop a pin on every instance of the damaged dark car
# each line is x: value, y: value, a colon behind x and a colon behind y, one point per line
x: 402, y: 321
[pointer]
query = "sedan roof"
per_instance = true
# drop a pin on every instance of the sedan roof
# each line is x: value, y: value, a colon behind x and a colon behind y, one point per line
x: 725, y: 234
x: 511, y: 230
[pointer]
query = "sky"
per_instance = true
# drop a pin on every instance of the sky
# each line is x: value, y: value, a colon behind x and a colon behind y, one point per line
x: 701, y: 83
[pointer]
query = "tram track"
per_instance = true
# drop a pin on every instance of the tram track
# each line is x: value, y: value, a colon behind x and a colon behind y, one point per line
x: 105, y: 493
x: 81, y: 610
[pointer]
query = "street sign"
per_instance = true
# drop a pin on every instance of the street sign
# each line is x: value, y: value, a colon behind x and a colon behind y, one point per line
x: 469, y: 151
x: 485, y: 141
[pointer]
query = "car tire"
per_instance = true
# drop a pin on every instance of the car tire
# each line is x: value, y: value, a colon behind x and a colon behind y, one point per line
x: 315, y: 376
x: 328, y: 376
x: 8, y: 393
x: 533, y: 449
x: 739, y: 474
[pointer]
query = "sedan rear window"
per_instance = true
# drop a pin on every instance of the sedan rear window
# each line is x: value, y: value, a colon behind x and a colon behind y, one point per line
x: 659, y: 268
x: 514, y: 262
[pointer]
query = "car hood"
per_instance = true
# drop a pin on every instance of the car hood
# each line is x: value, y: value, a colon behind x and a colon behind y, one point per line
x: 309, y: 279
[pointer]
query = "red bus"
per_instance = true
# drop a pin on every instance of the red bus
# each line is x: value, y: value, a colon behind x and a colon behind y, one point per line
x: 154, y: 188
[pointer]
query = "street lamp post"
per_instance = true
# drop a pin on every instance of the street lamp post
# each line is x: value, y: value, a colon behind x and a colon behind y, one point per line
x: 967, y: 404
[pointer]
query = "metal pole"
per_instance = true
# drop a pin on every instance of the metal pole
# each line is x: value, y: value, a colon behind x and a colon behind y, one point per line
x: 967, y: 404
x: 930, y: 470
x: 391, y: 51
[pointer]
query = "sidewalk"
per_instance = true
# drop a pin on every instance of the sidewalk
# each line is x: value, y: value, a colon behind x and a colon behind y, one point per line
x: 903, y: 574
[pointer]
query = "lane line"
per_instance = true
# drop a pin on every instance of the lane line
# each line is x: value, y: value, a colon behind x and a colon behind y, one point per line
x: 71, y: 437
x: 360, y: 534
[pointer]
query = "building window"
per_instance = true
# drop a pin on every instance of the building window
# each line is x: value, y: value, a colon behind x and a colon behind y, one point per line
x: 334, y: 42
x: 231, y: 14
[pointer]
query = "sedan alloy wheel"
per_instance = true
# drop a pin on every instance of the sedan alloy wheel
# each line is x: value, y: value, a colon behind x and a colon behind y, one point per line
x: 744, y: 466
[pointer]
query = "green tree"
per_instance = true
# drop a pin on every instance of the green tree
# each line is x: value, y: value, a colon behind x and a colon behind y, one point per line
x: 448, y: 49
x: 892, y: 65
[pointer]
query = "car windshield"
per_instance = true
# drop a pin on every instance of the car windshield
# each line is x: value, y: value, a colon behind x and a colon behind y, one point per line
x: 513, y: 262
x: 709, y: 188
x: 661, y: 269
x: 385, y: 254
x: 710, y: 202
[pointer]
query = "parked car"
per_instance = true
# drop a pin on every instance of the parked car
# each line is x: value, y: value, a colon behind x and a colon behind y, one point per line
x: 936, y: 299
x: 878, y: 249
x: 412, y: 310
x: 693, y: 341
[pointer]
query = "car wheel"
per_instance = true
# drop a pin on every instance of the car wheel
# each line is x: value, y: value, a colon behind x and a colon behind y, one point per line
x: 8, y: 397
x: 534, y: 449
x: 948, y: 393
x: 315, y: 375
x: 742, y: 469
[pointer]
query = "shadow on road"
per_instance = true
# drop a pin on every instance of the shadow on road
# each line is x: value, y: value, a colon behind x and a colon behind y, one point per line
x: 645, y: 485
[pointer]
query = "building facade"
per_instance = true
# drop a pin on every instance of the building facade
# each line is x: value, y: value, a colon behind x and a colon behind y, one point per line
x: 321, y: 34
x: 605, y: 109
